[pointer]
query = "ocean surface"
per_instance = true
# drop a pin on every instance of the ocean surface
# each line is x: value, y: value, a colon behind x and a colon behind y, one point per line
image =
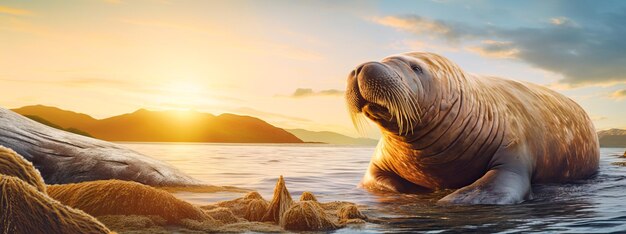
x: 595, y: 205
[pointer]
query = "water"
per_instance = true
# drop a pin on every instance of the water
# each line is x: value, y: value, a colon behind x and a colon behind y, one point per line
x: 333, y: 172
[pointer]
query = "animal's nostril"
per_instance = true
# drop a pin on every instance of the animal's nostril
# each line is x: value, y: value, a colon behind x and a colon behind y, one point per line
x: 358, y: 70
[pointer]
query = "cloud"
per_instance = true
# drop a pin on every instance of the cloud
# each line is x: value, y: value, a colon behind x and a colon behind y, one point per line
x: 303, y: 92
x: 419, y: 25
x: 14, y: 11
x: 495, y: 49
x: 77, y: 82
x: 618, y: 95
x: 562, y: 21
x: 585, y: 53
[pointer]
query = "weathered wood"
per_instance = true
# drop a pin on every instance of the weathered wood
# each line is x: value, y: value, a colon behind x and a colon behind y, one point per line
x: 62, y: 157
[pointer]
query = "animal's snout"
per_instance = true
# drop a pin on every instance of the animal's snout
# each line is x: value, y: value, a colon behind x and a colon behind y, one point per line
x: 370, y: 71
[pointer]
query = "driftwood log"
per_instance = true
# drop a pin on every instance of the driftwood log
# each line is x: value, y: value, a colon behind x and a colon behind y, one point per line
x: 62, y: 157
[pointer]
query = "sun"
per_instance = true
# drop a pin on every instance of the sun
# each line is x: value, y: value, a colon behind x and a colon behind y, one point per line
x: 184, y: 88
x: 183, y: 95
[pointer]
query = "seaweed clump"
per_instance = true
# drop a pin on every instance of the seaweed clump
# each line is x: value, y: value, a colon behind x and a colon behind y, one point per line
x: 306, y: 215
x: 24, y: 209
x: 117, y: 197
x: 13, y: 164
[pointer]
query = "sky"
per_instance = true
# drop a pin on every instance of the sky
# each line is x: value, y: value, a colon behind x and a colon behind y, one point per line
x: 286, y: 62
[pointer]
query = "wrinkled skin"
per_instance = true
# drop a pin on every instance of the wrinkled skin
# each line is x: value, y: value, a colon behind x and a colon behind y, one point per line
x: 487, y: 137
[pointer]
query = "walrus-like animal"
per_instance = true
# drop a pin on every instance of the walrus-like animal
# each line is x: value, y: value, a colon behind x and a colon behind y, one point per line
x: 443, y: 128
x: 62, y: 157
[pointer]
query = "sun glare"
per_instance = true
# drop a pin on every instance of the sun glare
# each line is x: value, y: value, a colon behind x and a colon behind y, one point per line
x: 183, y: 95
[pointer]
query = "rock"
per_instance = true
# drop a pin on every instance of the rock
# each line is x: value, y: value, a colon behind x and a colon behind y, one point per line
x: 116, y: 197
x: 13, y: 164
x: 307, y: 196
x: 306, y: 216
x: 24, y: 209
x: 279, y: 204
x: 62, y: 157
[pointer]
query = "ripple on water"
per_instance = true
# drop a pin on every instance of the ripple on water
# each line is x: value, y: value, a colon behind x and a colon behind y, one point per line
x: 333, y: 173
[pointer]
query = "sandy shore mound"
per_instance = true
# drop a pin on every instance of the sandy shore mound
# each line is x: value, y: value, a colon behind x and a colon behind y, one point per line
x: 13, y: 164
x: 24, y: 209
x: 116, y: 197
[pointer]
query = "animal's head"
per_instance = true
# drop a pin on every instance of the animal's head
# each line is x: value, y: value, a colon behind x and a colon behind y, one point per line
x: 391, y: 92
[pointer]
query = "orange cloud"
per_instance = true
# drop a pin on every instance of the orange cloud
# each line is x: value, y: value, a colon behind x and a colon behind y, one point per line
x: 495, y: 49
x: 14, y: 11
x: 618, y: 95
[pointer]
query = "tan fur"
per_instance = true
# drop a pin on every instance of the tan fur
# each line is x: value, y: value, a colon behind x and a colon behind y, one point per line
x: 13, y: 164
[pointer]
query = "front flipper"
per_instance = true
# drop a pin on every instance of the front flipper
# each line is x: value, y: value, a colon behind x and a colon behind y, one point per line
x: 506, y: 182
x: 497, y: 186
x: 376, y: 179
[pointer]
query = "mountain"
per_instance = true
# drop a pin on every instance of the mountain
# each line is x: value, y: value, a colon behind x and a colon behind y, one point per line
x: 330, y: 137
x: 166, y: 126
x: 612, y: 138
x: 62, y: 118
x: 49, y: 124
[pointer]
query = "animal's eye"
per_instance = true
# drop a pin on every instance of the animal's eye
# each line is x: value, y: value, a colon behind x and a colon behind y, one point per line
x: 416, y: 68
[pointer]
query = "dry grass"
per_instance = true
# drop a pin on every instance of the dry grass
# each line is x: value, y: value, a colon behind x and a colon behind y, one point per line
x: 307, y: 196
x: 223, y: 215
x: 279, y: 204
x: 116, y: 197
x: 307, y: 216
x: 255, y: 210
x: 349, y: 212
x: 24, y: 209
x: 13, y: 164
x: 134, y: 223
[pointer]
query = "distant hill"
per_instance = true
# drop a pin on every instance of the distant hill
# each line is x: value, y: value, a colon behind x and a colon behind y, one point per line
x: 62, y: 118
x: 330, y: 137
x: 612, y: 138
x: 49, y: 124
x: 166, y: 126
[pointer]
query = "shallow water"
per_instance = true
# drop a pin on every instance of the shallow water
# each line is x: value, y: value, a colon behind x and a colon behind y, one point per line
x: 333, y: 172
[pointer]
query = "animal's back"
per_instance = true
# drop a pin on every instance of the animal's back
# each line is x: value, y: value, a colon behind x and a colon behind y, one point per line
x: 553, y: 129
